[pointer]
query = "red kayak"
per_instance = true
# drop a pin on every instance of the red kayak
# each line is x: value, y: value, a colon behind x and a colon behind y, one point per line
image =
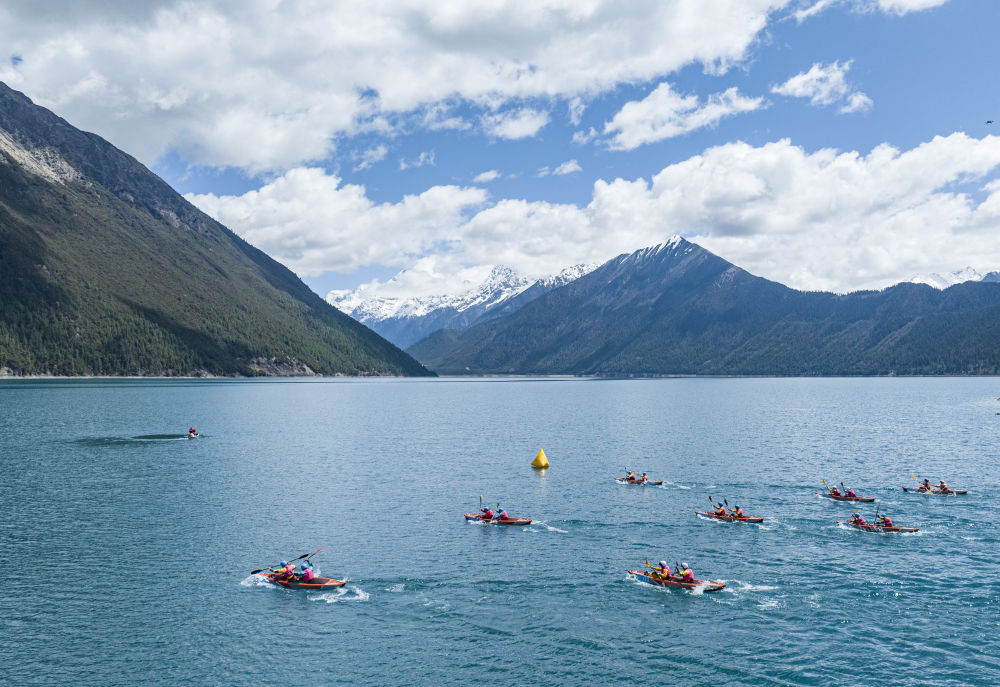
x: 861, y: 499
x: 498, y: 521
x: 878, y: 528
x: 626, y: 480
x: 745, y: 518
x: 314, y: 583
x: 921, y: 490
x: 675, y: 582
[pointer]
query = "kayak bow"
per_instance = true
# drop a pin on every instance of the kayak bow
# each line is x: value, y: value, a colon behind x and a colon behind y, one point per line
x: 745, y: 518
x: 498, y: 521
x: 675, y: 583
x: 878, y: 528
x: 861, y: 499
x: 316, y: 583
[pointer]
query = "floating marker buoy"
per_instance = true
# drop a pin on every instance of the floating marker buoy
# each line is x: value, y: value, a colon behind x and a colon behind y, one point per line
x: 540, y: 460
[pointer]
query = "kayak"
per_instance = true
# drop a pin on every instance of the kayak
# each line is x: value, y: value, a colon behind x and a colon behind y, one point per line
x: 314, y: 583
x: 861, y: 499
x: 626, y: 480
x: 921, y: 490
x: 745, y: 518
x: 192, y: 436
x: 498, y: 521
x: 878, y: 528
x: 675, y: 583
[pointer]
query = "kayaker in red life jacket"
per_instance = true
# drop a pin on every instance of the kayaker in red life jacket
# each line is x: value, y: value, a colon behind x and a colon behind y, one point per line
x: 487, y: 513
x: 662, y: 570
x: 719, y: 509
x: 632, y: 476
x: 736, y: 512
x: 192, y: 432
x: 645, y: 477
x: 885, y: 521
x: 850, y: 493
x: 835, y: 491
x: 686, y: 574
x: 503, y: 514
x: 858, y: 520
x: 307, y: 573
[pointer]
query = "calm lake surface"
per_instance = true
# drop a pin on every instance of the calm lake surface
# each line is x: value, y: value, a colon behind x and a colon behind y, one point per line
x: 128, y: 550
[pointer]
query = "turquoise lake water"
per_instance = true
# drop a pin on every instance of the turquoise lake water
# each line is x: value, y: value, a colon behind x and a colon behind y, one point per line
x: 128, y: 548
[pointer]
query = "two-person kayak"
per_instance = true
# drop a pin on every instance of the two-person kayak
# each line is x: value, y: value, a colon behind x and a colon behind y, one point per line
x: 675, y: 582
x: 877, y: 528
x: 497, y: 521
x: 717, y: 516
x: 841, y: 497
x: 316, y: 583
x: 945, y: 492
x: 626, y: 480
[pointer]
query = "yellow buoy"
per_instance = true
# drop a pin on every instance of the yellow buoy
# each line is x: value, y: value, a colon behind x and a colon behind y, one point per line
x: 540, y: 460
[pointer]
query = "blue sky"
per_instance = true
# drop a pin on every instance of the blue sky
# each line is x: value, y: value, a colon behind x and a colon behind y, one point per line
x: 825, y: 144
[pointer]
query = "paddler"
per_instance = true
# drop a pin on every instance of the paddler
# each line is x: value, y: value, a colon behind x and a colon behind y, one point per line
x: 943, y: 487
x: 736, y: 512
x: 858, y: 520
x: 503, y: 514
x: 307, y: 573
x: 645, y: 477
x: 720, y: 510
x: 487, y: 513
x: 851, y: 494
x: 926, y: 485
x: 884, y: 520
x: 686, y: 574
x: 192, y: 432
x: 835, y: 492
x: 662, y: 570
x: 286, y: 571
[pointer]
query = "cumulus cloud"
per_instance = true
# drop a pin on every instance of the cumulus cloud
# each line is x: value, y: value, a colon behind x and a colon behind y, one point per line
x: 523, y: 123
x: 813, y: 220
x: 204, y: 78
x: 825, y: 85
x: 664, y: 113
x: 311, y: 222
x: 486, y: 177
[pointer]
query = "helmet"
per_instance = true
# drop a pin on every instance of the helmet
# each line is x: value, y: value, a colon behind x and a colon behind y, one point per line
x: 663, y: 564
x: 284, y: 562
x: 735, y: 506
x: 684, y: 565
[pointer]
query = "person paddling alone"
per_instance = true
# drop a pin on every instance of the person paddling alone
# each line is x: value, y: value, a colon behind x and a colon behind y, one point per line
x: 192, y: 432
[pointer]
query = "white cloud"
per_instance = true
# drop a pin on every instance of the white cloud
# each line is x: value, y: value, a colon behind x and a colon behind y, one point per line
x: 575, y: 108
x: 822, y: 220
x: 312, y: 223
x: 523, y: 123
x: 425, y: 159
x: 567, y: 167
x: 369, y: 157
x: 583, y: 137
x: 204, y: 78
x: 664, y: 113
x: 486, y: 177
x: 825, y: 85
x: 897, y: 7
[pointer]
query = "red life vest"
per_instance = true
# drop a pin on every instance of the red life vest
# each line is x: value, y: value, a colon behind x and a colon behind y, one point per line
x: 687, y: 576
x: 488, y: 514
x: 307, y: 575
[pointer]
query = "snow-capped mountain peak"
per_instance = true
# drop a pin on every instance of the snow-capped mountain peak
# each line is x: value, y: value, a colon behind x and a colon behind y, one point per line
x: 939, y: 281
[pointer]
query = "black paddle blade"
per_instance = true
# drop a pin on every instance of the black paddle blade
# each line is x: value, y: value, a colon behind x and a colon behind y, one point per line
x: 254, y: 572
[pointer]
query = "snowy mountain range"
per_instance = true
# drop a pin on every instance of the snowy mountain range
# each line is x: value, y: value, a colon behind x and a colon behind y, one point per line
x: 404, y: 321
x: 939, y: 281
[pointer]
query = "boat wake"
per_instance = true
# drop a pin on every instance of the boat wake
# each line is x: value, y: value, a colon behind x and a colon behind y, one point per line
x: 396, y: 588
x: 257, y: 581
x: 341, y: 594
x: 547, y: 526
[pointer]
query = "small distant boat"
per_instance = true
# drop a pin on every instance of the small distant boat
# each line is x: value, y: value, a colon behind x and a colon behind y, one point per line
x: 316, y: 583
x: 626, y: 480
x: 675, y: 583
x: 856, y: 499
x: 745, y: 518
x: 497, y: 521
x: 877, y: 528
x: 921, y: 490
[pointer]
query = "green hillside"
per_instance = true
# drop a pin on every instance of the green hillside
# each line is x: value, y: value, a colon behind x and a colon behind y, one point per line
x: 105, y: 270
